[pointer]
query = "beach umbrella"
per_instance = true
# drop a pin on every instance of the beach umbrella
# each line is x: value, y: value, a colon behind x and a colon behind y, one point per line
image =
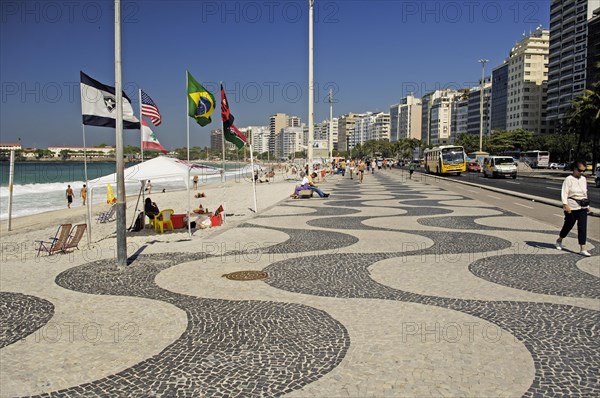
x: 110, y: 196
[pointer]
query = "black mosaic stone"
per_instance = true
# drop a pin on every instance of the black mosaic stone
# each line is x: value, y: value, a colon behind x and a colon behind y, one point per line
x: 539, y: 273
x: 563, y: 340
x: 302, y: 240
x: 230, y: 348
x: 21, y: 315
x: 364, y: 202
x: 429, y: 202
x: 320, y: 211
x: 467, y: 222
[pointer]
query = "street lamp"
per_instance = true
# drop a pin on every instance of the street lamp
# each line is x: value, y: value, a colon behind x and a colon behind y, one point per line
x: 483, y: 62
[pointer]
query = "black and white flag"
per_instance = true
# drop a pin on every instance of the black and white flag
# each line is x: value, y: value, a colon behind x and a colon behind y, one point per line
x: 98, y: 105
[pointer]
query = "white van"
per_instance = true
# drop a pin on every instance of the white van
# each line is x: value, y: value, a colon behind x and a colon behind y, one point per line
x: 496, y: 166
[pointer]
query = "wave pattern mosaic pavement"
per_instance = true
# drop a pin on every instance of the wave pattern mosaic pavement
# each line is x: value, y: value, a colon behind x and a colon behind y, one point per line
x: 266, y: 348
x: 21, y: 315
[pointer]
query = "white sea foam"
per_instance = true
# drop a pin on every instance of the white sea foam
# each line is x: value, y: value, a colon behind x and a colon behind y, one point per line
x: 31, y: 199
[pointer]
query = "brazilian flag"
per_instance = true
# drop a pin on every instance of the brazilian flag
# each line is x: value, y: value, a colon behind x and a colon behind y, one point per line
x: 201, y: 103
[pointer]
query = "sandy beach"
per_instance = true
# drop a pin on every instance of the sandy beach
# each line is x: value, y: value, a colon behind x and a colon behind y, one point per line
x: 235, y: 195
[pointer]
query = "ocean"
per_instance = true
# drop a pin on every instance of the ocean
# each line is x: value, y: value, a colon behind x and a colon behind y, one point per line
x: 40, y: 186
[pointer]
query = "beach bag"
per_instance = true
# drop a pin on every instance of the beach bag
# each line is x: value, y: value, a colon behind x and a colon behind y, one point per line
x: 139, y: 223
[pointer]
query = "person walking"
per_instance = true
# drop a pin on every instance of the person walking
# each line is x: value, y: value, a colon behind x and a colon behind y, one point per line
x: 195, y: 181
x: 361, y: 171
x: 149, y: 187
x: 83, y: 194
x: 411, y: 170
x: 69, y: 194
x: 576, y: 206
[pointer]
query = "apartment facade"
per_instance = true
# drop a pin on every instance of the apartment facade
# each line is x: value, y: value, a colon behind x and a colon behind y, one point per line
x: 593, y: 49
x: 475, y: 109
x: 499, y: 97
x: 345, y: 130
x: 567, y: 57
x: 527, y: 83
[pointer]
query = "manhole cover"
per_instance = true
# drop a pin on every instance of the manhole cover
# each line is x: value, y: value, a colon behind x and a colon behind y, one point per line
x: 246, y: 275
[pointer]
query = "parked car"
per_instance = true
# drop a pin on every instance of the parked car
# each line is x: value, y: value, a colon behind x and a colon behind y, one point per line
x: 473, y: 166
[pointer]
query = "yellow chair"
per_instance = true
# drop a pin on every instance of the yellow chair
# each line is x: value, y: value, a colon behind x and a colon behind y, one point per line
x: 164, y: 218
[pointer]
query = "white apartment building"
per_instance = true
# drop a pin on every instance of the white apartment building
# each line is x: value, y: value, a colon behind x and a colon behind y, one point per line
x: 259, y: 137
x: 527, y: 83
x: 289, y: 141
x: 345, y: 130
x: 440, y: 119
x: 361, y: 129
x: 409, y: 118
x: 379, y: 128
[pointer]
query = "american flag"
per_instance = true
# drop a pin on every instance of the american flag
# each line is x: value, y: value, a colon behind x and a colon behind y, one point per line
x: 149, y: 109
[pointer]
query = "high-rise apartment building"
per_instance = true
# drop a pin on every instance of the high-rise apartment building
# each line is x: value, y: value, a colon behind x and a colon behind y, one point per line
x: 405, y: 119
x: 379, y: 127
x: 436, y: 128
x: 593, y: 45
x: 527, y: 83
x: 475, y: 109
x: 499, y: 97
x: 567, y: 57
x: 345, y: 131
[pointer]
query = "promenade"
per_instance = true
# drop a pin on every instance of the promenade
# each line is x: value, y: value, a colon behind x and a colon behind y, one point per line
x: 389, y: 288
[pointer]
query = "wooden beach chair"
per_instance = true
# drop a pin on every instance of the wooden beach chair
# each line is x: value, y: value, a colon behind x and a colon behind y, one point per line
x: 164, y: 218
x: 107, y: 215
x: 58, y: 242
x: 75, y: 237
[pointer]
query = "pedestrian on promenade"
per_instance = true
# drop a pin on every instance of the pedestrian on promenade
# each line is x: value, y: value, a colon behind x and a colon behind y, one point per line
x: 576, y: 206
x: 351, y: 166
x: 361, y: 171
x: 411, y: 170
x: 69, y: 194
x: 83, y: 194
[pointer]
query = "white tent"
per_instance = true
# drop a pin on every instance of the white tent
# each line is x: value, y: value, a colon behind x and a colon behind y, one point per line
x: 159, y: 168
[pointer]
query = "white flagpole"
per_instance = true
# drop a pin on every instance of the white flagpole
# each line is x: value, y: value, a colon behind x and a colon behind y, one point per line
x: 11, y: 176
x: 253, y: 180
x: 187, y: 116
x: 121, y: 224
x: 311, y: 88
x: 141, y: 130
x: 222, y: 140
x: 88, y: 200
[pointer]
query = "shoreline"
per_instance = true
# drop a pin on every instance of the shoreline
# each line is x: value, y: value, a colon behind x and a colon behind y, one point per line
x: 235, y: 196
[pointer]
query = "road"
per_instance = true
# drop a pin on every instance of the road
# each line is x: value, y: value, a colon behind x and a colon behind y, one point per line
x: 536, y: 186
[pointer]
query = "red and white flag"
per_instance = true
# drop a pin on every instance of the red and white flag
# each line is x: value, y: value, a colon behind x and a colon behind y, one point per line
x: 149, y: 140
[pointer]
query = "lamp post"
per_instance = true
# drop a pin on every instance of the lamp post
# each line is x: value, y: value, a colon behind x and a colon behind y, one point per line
x: 483, y: 62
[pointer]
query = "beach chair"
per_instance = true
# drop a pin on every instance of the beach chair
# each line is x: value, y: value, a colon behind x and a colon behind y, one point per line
x: 106, y: 215
x: 75, y: 236
x: 57, y: 243
x: 164, y: 218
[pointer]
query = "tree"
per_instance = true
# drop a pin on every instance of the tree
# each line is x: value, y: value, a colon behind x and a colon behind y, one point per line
x: 584, y: 118
x: 468, y: 141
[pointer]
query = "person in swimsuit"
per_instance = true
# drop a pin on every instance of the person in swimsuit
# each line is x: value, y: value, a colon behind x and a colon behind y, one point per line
x: 69, y: 193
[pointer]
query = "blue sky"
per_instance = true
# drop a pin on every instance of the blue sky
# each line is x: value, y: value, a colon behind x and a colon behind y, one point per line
x: 370, y: 52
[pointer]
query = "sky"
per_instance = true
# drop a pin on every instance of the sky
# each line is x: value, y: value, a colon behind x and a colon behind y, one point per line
x: 370, y: 53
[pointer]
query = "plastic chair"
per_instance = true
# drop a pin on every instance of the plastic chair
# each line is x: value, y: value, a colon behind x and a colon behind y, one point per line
x: 75, y: 236
x: 58, y: 242
x: 164, y: 218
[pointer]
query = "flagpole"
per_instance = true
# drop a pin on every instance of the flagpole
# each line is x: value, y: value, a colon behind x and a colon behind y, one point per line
x: 311, y: 94
x: 223, y: 141
x: 87, y: 202
x: 253, y: 180
x: 141, y: 131
x: 187, y: 83
x: 121, y: 224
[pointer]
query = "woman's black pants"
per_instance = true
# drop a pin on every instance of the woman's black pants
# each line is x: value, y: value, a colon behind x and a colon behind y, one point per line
x: 579, y: 217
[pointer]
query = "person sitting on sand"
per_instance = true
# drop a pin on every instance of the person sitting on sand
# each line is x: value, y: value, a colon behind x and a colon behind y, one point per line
x: 151, y: 209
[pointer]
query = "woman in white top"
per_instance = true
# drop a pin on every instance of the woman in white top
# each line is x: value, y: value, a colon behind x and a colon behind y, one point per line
x: 574, y: 197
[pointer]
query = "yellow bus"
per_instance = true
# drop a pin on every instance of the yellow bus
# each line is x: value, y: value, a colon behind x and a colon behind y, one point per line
x: 445, y: 159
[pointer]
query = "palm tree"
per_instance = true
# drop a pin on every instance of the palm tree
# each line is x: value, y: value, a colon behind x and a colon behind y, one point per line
x: 585, y: 117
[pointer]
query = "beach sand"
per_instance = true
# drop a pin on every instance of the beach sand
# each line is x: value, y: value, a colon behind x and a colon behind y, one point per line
x: 235, y: 196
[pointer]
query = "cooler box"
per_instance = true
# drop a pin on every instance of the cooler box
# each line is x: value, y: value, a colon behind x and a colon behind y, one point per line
x: 177, y: 220
x: 216, y: 220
